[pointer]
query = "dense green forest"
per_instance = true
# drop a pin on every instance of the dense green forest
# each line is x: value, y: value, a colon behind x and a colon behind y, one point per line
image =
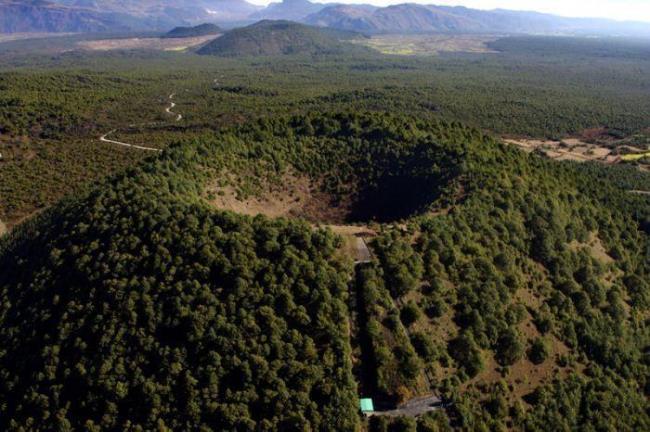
x: 58, y: 101
x: 158, y: 311
x: 513, y: 286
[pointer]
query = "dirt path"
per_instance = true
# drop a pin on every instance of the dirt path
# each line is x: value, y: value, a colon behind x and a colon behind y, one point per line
x: 413, y: 408
x: 640, y: 192
x: 171, y: 106
x: 104, y: 139
x: 362, y: 252
x: 168, y: 110
x: 362, y: 255
x: 355, y: 241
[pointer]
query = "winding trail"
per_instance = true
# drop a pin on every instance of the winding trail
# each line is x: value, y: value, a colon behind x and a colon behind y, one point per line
x: 168, y: 110
x: 171, y: 106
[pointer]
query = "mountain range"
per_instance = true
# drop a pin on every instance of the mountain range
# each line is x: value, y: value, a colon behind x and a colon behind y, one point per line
x: 18, y: 16
x: 118, y: 15
x: 88, y: 16
x: 413, y: 18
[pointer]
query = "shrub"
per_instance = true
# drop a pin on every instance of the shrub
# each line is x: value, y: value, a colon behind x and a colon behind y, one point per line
x: 410, y: 313
x: 538, y: 351
x: 509, y: 347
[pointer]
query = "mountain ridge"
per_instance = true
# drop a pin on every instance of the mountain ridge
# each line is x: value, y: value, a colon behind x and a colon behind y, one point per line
x: 88, y: 16
x: 41, y: 16
x: 405, y: 18
x: 416, y: 18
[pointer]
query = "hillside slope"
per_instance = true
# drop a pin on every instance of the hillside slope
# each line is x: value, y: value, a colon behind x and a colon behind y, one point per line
x: 199, y: 30
x: 518, y: 285
x: 268, y: 38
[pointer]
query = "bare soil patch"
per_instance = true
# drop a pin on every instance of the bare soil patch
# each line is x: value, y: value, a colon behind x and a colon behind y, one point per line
x: 594, y: 247
x: 574, y: 149
x: 599, y: 144
x: 3, y: 228
x: 298, y: 196
x: 293, y: 196
x: 162, y: 44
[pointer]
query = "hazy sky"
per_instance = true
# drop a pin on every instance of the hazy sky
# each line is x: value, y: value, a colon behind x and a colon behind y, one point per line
x: 638, y: 10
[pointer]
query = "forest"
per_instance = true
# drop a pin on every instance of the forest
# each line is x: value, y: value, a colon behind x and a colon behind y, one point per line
x: 57, y: 105
x: 142, y: 288
x: 512, y: 286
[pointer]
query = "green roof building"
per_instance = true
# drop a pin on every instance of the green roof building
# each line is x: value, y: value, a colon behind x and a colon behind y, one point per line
x: 366, y: 405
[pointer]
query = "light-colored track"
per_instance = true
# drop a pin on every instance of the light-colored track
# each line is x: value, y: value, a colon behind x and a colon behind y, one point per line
x: 168, y: 110
x: 139, y: 147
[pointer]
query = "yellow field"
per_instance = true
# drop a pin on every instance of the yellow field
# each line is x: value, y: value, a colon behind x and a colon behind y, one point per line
x: 635, y: 156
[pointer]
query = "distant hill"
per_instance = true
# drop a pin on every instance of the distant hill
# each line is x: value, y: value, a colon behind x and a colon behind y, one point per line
x: 293, y: 10
x: 199, y: 30
x: 268, y: 38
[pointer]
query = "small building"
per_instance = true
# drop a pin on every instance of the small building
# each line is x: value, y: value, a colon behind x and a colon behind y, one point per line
x: 366, y: 406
